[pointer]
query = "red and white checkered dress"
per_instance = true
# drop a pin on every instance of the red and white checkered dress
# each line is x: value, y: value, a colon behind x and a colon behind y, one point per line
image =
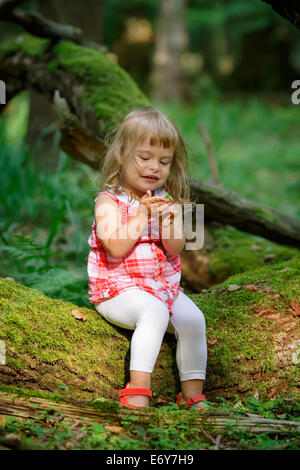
x: 146, y: 266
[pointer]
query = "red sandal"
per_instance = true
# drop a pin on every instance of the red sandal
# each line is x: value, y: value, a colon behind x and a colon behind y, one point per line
x: 132, y: 391
x: 190, y: 401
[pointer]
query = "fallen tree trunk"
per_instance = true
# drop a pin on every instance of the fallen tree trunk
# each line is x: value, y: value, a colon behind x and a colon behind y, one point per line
x: 226, y: 252
x: 89, y: 91
x: 249, y: 216
x: 253, y: 328
x: 22, y: 407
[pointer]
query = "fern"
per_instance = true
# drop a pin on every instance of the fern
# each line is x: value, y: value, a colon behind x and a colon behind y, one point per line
x: 29, y: 263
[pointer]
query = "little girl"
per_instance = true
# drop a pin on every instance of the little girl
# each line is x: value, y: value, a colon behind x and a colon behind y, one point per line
x: 134, y: 265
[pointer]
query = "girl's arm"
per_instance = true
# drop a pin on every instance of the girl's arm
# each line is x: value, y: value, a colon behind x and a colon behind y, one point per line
x: 173, y: 246
x: 117, y: 238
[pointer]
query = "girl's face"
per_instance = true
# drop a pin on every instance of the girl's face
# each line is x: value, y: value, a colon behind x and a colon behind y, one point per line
x: 147, y: 161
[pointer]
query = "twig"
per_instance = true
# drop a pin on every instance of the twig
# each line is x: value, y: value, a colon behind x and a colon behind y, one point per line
x: 209, y: 437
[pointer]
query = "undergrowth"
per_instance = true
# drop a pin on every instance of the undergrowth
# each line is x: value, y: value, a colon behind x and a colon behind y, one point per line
x: 50, y: 429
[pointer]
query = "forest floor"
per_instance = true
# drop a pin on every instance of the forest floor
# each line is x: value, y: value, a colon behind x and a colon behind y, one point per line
x: 29, y: 423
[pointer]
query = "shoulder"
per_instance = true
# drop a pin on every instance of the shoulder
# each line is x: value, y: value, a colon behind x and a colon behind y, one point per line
x: 106, y: 196
x: 106, y: 199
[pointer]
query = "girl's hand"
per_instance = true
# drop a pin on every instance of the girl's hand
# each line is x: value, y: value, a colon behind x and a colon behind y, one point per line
x: 168, y: 215
x: 154, y: 205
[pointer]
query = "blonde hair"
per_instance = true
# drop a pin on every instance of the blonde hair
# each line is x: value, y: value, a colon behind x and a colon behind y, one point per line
x: 134, y: 129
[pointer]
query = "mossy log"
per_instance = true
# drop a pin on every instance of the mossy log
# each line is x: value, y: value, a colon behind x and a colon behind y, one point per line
x: 228, y: 251
x: 92, y: 93
x: 253, y: 330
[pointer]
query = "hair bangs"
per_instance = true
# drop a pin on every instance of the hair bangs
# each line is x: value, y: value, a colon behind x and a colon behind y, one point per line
x: 153, y: 127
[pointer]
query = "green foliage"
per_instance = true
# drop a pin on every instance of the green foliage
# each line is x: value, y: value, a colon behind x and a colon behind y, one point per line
x: 167, y: 429
x: 280, y: 408
x: 239, y: 19
x: 44, y: 221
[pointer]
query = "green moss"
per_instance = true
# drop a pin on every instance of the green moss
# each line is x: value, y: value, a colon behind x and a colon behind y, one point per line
x: 110, y: 90
x: 14, y: 363
x: 91, y: 358
x: 265, y: 214
x: 44, y: 340
x: 101, y: 404
x: 26, y: 43
x: 291, y: 377
x: 243, y: 343
x: 53, y: 66
x: 284, y: 277
x: 232, y: 253
x: 23, y: 392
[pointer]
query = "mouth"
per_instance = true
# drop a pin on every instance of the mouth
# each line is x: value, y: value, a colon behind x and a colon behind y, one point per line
x: 151, y: 178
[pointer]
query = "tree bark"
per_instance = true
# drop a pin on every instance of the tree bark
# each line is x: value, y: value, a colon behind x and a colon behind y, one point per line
x: 88, y: 20
x: 83, y: 120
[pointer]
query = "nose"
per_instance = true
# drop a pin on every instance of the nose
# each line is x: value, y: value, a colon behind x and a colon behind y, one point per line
x: 153, y: 165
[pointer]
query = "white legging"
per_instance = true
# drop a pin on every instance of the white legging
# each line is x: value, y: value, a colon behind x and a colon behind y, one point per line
x: 138, y: 310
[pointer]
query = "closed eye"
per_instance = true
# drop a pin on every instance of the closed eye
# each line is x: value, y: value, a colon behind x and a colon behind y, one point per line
x: 164, y: 163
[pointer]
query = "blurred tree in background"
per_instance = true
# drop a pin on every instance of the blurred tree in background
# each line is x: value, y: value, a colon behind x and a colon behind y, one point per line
x: 234, y: 45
